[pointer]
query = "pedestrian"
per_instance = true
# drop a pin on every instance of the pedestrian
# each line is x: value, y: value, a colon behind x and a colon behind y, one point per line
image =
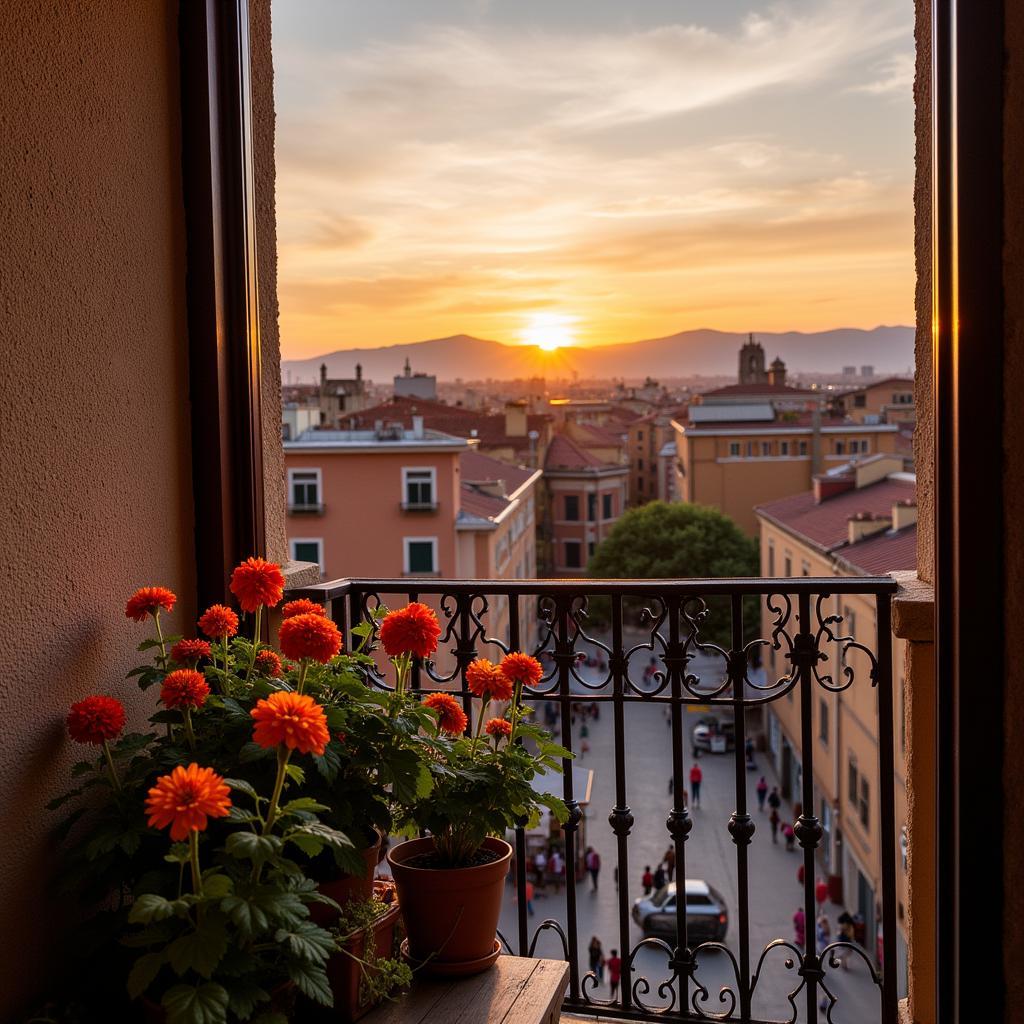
x: 659, y: 878
x: 774, y: 800
x: 748, y: 749
x: 614, y: 965
x: 647, y: 880
x: 593, y: 865
x: 788, y: 834
x: 821, y: 894
x: 595, y: 708
x: 800, y: 875
x: 822, y: 933
x: 584, y: 748
x: 556, y: 865
x: 762, y: 793
x: 540, y: 865
x: 773, y: 821
x: 670, y: 862
x: 584, y: 730
x: 799, y: 928
x: 696, y: 777
x: 595, y: 954
x: 528, y: 893
x: 844, y: 933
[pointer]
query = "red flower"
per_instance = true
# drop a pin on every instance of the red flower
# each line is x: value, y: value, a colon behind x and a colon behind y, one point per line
x: 410, y: 630
x: 268, y: 663
x: 521, y: 668
x: 185, y: 799
x: 498, y: 727
x: 95, y: 720
x: 257, y: 582
x: 186, y: 652
x: 450, y: 716
x: 219, y: 622
x: 294, y: 719
x: 303, y: 606
x: 184, y: 688
x: 148, y: 601
x: 487, y: 680
x: 309, y: 636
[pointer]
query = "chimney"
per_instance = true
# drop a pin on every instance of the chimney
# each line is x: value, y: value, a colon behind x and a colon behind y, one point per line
x: 866, y: 524
x: 417, y: 427
x: 904, y: 513
x: 323, y: 373
x: 515, y: 419
x: 828, y: 485
x: 493, y: 488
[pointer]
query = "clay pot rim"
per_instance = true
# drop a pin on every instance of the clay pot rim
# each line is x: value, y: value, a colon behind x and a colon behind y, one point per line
x: 464, y: 871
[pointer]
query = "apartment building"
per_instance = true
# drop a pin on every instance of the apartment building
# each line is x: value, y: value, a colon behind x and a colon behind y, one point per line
x: 650, y: 447
x: 859, y: 519
x: 885, y: 401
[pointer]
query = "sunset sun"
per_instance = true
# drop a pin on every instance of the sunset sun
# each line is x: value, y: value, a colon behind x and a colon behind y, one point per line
x: 549, y: 331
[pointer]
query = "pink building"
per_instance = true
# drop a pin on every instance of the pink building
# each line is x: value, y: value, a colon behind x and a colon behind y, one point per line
x: 586, y: 493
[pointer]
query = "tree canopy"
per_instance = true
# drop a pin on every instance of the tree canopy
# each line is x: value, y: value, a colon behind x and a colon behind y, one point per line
x: 663, y: 541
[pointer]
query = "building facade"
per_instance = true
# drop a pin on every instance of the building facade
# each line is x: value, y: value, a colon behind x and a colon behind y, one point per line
x: 858, y: 520
x: 885, y: 401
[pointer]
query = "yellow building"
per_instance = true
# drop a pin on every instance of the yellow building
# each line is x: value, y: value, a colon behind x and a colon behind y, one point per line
x: 734, y: 456
x: 885, y: 401
x: 858, y: 520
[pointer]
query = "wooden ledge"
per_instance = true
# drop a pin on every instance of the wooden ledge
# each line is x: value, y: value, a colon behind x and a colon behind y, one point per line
x: 516, y: 990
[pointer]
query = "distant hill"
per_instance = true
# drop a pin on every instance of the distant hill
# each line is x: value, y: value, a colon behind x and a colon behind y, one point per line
x: 889, y: 349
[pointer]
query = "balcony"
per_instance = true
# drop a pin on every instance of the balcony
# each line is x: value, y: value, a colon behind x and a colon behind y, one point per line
x: 418, y: 506
x: 311, y: 508
x: 647, y: 655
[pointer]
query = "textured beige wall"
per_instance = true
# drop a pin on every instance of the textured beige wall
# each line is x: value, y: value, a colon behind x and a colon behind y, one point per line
x: 266, y: 238
x: 96, y: 484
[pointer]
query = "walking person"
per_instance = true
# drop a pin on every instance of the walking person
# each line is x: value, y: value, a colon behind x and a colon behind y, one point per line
x: 659, y: 878
x: 592, y: 860
x: 822, y: 933
x: 556, y: 865
x: 762, y: 793
x: 821, y: 894
x: 670, y: 862
x: 774, y: 800
x: 748, y: 749
x: 789, y: 835
x: 773, y: 821
x: 696, y: 778
x: 614, y: 965
x: 540, y: 864
x: 647, y: 880
x: 844, y: 933
x: 595, y: 954
x: 528, y: 893
x: 799, y: 928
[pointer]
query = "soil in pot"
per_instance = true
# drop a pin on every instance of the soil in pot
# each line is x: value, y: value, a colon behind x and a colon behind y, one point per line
x: 451, y: 914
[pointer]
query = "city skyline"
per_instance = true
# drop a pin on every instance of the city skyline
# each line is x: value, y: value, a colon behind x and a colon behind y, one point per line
x: 590, y: 175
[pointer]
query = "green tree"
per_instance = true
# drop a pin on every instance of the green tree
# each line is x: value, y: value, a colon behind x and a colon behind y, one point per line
x: 678, y: 541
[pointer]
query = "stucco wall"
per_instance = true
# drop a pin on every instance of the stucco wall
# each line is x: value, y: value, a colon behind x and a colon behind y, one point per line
x: 96, y: 488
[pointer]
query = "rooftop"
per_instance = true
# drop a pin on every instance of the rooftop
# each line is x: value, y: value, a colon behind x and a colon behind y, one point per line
x: 489, y: 487
x: 797, y: 423
x: 390, y: 436
x: 780, y: 390
x: 565, y: 454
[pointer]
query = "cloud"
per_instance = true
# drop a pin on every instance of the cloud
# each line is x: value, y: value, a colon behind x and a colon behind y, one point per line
x: 895, y: 75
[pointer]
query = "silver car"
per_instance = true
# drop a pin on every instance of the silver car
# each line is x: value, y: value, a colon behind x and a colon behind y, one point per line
x: 707, y: 920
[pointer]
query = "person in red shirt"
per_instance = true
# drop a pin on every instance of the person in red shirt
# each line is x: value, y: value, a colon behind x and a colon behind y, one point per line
x: 614, y: 965
x: 696, y: 777
x: 529, y: 897
x: 647, y: 880
x: 821, y: 893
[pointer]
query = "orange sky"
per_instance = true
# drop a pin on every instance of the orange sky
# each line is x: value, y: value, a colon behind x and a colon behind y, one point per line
x: 494, y: 170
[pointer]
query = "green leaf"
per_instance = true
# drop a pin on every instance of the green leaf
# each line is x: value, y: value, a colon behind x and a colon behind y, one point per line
x: 249, y: 918
x: 295, y: 773
x: 150, y: 907
x: 311, y: 980
x: 178, y: 854
x: 143, y: 972
x: 200, y: 950
x: 249, y: 846
x: 240, y: 816
x: 309, y: 845
x: 243, y: 787
x: 303, y: 803
x: 254, y: 752
x: 330, y: 764
x: 306, y: 941
x: 217, y: 886
x: 324, y: 833
x: 244, y: 996
x: 205, y: 1004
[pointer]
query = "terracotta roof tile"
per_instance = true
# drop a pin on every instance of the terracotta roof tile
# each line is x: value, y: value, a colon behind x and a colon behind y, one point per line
x: 759, y: 389
x: 564, y: 453
x: 885, y: 552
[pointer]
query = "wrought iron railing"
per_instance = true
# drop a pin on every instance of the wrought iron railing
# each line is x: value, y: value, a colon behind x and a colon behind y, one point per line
x: 671, y: 622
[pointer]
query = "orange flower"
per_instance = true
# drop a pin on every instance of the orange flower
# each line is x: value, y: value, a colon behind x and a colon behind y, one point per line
x: 294, y: 719
x: 185, y: 799
x: 410, y: 630
x: 521, y: 668
x: 219, y: 622
x: 185, y: 652
x: 309, y: 636
x: 450, y: 716
x: 303, y: 606
x: 268, y: 663
x: 148, y: 601
x: 95, y: 720
x: 257, y: 582
x: 184, y: 688
x: 498, y: 727
x: 486, y: 680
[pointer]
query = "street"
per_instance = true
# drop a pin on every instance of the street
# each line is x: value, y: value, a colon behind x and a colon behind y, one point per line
x: 710, y: 855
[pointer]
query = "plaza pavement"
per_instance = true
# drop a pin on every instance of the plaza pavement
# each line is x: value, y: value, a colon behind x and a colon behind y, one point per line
x: 710, y: 855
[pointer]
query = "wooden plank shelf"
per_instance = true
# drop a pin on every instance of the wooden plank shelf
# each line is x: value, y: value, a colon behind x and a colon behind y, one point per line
x: 516, y: 990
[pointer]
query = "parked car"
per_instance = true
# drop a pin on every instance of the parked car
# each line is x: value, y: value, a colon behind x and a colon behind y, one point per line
x: 714, y: 736
x: 707, y: 919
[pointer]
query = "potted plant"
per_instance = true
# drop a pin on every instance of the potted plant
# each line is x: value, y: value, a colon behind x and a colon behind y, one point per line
x: 450, y: 882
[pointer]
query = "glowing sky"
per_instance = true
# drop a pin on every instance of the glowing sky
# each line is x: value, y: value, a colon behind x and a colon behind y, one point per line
x: 591, y: 171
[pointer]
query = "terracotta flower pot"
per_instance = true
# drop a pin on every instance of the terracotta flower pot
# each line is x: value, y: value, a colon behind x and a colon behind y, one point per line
x: 451, y: 914
x: 344, y: 888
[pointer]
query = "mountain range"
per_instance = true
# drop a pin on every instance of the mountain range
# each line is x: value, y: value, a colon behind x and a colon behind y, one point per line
x: 890, y: 350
